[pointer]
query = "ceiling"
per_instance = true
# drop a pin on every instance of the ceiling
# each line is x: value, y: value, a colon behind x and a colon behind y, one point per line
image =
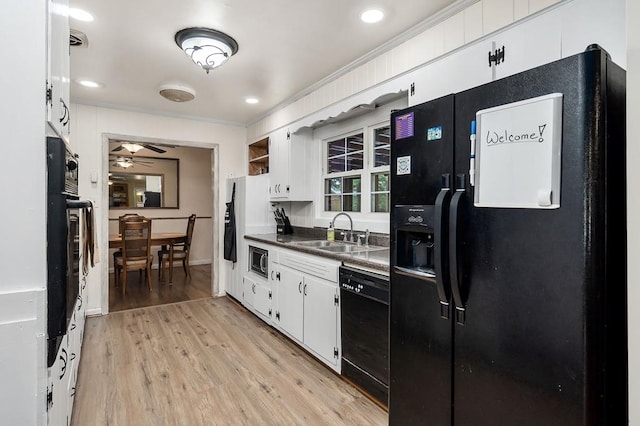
x: 285, y: 46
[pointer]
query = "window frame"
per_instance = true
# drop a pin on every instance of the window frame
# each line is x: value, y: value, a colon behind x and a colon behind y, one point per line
x: 373, y: 170
x: 345, y: 174
x: 366, y: 124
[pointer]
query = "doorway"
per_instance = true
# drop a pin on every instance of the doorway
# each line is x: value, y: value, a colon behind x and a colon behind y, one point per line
x: 191, y: 189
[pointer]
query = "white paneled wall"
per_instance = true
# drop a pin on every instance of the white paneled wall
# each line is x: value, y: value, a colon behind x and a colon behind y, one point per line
x: 477, y: 20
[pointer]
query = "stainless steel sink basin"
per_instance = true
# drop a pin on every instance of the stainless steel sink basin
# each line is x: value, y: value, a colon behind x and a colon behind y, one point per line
x: 336, y: 246
x: 318, y: 243
x: 350, y: 248
x: 343, y: 248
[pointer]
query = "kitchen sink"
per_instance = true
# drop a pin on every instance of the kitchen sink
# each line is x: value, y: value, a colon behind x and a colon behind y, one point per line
x: 318, y: 243
x: 350, y: 248
x: 336, y: 246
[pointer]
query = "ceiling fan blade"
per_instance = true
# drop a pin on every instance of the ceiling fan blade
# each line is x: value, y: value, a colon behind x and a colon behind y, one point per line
x: 154, y: 148
x: 118, y: 148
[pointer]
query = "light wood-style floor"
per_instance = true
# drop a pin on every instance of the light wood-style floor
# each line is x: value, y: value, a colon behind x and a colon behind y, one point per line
x: 183, y: 288
x: 206, y: 362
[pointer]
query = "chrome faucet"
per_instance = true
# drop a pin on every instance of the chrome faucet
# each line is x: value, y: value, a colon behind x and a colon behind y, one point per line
x: 333, y: 221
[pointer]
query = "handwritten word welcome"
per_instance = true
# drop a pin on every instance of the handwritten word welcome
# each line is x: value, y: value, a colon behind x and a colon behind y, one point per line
x: 495, y: 138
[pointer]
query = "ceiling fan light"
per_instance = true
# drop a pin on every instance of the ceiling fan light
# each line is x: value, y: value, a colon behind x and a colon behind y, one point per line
x: 124, y: 162
x: 207, y: 48
x: 132, y: 147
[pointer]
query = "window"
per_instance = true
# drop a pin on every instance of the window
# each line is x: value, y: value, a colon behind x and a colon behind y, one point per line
x: 345, y: 160
x: 381, y: 161
x: 356, y: 161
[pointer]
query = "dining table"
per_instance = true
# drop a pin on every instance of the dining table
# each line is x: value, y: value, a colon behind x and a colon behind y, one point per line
x: 157, y: 239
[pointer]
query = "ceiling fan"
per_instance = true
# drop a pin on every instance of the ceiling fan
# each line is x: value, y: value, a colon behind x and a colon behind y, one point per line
x: 126, y: 162
x: 133, y: 147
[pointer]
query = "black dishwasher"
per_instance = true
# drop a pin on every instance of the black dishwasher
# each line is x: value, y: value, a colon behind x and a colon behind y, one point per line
x: 364, y: 315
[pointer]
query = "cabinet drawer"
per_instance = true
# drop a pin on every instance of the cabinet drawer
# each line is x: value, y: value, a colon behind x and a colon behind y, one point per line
x: 312, y: 265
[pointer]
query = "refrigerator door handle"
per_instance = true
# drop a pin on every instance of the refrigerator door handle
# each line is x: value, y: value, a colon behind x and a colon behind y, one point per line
x: 439, y: 252
x: 454, y: 266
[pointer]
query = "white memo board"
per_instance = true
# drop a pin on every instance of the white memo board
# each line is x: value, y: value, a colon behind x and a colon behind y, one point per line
x: 518, y: 154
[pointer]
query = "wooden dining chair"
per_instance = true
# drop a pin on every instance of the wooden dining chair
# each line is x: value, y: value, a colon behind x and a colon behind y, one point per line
x: 180, y: 251
x: 134, y: 217
x: 136, y: 251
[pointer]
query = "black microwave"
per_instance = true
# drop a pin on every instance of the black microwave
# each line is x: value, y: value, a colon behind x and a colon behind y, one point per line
x: 259, y: 261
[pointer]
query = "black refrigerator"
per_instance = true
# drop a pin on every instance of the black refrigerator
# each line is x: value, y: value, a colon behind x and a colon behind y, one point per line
x: 508, y: 303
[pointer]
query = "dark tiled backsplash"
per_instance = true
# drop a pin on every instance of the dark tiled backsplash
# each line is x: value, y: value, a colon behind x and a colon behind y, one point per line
x: 375, y: 239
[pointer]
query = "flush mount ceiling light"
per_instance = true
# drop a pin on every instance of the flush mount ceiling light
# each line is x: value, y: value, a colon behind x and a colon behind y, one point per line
x: 206, y: 47
x: 177, y: 92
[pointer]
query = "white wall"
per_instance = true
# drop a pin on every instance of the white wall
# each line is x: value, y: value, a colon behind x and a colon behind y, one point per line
x: 90, y: 124
x: 23, y: 226
x: 633, y: 225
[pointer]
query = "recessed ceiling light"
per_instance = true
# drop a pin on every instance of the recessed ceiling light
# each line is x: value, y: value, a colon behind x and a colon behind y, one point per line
x: 372, y: 16
x: 251, y: 100
x: 90, y: 84
x: 80, y: 15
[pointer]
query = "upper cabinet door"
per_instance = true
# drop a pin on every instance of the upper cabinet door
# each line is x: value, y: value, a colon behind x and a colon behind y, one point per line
x: 289, y: 166
x: 579, y: 31
x: 464, y: 69
x: 530, y: 44
x: 58, y: 68
x: 279, y: 164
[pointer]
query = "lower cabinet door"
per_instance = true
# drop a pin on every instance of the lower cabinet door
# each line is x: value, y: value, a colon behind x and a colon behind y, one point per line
x: 290, y: 302
x: 262, y: 299
x: 248, y: 291
x: 321, y: 317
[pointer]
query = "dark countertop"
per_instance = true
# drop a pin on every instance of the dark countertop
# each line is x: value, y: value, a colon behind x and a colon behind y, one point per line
x: 376, y: 259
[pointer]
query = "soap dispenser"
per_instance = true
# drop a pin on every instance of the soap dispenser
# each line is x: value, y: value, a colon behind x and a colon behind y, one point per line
x: 331, y: 234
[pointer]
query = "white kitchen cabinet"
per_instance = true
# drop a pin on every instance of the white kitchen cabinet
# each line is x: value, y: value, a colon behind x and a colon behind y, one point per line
x: 530, y: 44
x: 289, y: 301
x: 248, y: 294
x: 306, y: 302
x: 63, y: 374
x: 288, y: 165
x: 321, y: 312
x: 461, y: 70
x: 256, y: 295
x: 534, y: 42
x: 58, y: 68
x: 57, y: 404
x: 579, y: 30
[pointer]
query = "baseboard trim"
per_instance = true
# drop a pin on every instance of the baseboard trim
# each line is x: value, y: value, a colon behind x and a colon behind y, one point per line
x: 177, y: 263
x: 93, y: 312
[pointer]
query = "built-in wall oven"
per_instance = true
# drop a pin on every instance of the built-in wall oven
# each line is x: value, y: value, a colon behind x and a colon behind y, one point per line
x: 259, y: 261
x: 63, y: 241
x: 364, y: 314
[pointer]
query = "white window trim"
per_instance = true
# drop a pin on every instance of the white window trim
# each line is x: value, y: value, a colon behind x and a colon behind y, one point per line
x: 374, y: 221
